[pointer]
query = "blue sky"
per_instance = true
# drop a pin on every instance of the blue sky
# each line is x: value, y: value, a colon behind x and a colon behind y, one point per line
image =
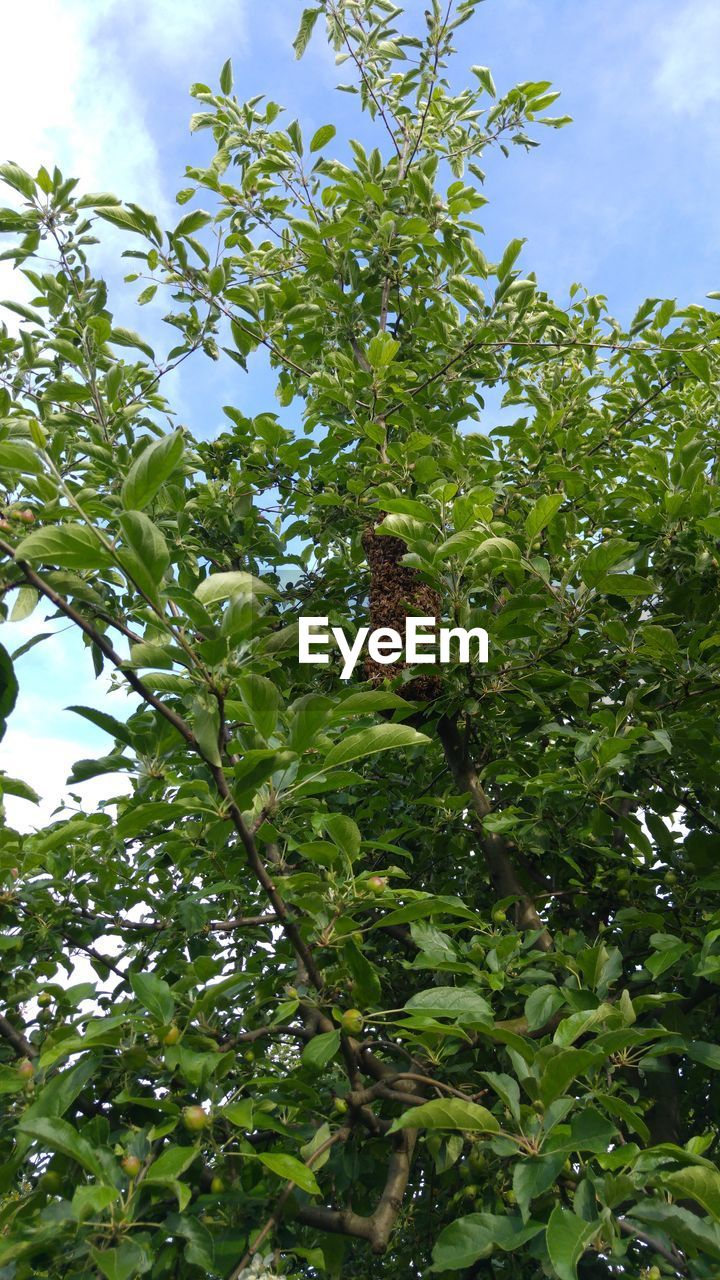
x: 625, y: 200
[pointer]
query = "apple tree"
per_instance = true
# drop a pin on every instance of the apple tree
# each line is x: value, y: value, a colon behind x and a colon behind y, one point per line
x: 414, y: 973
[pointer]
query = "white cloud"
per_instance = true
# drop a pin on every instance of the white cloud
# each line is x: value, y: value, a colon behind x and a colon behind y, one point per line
x: 72, y: 91
x: 82, y: 111
x: 43, y: 738
x: 46, y: 762
x: 75, y: 91
x: 687, y: 78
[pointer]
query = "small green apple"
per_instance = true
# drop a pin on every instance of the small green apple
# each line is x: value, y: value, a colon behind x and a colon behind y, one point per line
x: 352, y: 1022
x: 195, y: 1119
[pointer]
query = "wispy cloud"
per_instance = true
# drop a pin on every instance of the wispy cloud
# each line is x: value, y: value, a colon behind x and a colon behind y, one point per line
x: 71, y: 95
x: 687, y: 77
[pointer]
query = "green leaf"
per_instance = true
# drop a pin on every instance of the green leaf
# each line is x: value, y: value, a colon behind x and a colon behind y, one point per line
x: 366, y: 702
x: 382, y: 737
x: 25, y: 604
x: 686, y: 1229
x: 484, y: 75
x: 200, y: 1250
x: 381, y: 351
x: 562, y: 1069
x: 707, y: 1054
x: 344, y: 832
x: 70, y: 546
x: 507, y: 1089
x: 401, y: 526
x: 321, y: 1050
x: 578, y: 1024
x: 261, y: 699
x: 509, y: 258
x: 567, y: 1240
x: 192, y: 222
x: 541, y: 1004
x: 698, y: 363
x: 447, y: 1113
x: 307, y: 24
x: 170, y: 1164
x: 240, y: 1113
x: 125, y: 1262
x: 627, y: 585
x: 695, y: 1183
x: 226, y: 77
x: 542, y: 513
x: 150, y: 470
x: 459, y: 1003
x: 55, y: 1134
x: 17, y: 178
x: 292, y: 1170
x: 122, y: 337
x: 533, y: 1177
x: 103, y: 720
x: 602, y: 557
x: 256, y: 767
x: 223, y: 586
x: 155, y: 994
x: 322, y: 136
x: 19, y: 457
x: 8, y: 687
x: 131, y: 219
x: 477, y: 1236
x: 366, y: 983
x: 92, y: 1201
x: 309, y: 716
x: 146, y: 543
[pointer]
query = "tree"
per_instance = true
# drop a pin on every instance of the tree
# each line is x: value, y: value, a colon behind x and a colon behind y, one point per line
x: 412, y: 968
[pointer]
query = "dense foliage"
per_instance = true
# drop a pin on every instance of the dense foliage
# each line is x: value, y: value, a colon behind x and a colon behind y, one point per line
x: 380, y: 984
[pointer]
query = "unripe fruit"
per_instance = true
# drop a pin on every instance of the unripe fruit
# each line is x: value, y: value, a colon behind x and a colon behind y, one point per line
x: 217, y: 1186
x: 340, y: 1106
x: 671, y: 877
x: 352, y: 1022
x: 654, y: 1274
x: 51, y: 1183
x: 378, y: 884
x: 131, y: 1165
x: 499, y: 916
x: 623, y: 875
x: 44, y: 999
x: 195, y: 1119
x: 249, y: 1055
x: 538, y: 1107
x: 26, y: 1070
x: 172, y: 1036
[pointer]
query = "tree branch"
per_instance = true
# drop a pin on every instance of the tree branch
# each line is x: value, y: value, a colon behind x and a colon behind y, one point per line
x: 502, y: 873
